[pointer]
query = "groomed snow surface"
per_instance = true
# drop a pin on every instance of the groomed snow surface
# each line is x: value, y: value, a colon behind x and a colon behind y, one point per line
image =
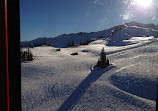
x: 58, y: 81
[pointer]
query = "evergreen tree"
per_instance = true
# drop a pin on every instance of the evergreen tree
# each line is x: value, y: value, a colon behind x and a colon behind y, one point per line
x: 26, y: 55
x: 103, y: 60
x: 29, y: 55
x: 70, y: 44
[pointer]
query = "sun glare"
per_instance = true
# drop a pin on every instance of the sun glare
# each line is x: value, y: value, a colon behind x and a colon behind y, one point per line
x: 144, y: 3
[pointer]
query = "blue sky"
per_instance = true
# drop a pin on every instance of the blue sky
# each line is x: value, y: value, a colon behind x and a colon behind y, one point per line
x: 50, y: 18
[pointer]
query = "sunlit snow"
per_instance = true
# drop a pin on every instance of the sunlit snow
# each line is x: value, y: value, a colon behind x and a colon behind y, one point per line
x: 56, y: 80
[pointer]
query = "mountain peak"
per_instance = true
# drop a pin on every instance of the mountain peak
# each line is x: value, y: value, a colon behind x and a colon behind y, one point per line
x: 114, y: 35
x: 138, y: 24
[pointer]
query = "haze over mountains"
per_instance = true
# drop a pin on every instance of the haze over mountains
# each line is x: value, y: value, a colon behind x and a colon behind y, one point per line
x: 115, y: 36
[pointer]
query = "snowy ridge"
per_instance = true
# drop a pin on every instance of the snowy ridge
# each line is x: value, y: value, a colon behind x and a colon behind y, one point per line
x: 149, y: 26
x: 117, y: 39
x: 114, y: 36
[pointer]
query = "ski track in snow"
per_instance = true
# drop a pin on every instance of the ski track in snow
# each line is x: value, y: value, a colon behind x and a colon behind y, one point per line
x: 58, y: 81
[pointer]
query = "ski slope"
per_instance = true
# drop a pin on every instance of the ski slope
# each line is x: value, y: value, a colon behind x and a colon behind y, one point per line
x: 58, y: 81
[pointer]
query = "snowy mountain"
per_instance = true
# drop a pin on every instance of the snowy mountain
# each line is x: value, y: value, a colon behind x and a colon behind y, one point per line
x: 115, y: 36
x: 59, y: 81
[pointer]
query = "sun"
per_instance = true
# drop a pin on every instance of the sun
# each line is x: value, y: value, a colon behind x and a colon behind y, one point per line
x: 144, y: 3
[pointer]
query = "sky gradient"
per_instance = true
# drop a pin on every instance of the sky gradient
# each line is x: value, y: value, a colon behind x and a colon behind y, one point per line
x: 50, y: 18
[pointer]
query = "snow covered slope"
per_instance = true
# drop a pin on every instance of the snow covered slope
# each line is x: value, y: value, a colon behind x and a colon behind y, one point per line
x: 58, y: 81
x: 114, y: 36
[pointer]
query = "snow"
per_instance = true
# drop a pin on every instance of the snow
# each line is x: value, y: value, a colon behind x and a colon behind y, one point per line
x: 139, y: 39
x: 115, y: 36
x: 58, y: 81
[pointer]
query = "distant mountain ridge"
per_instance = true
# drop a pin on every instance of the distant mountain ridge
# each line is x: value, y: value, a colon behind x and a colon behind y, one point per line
x: 114, y: 35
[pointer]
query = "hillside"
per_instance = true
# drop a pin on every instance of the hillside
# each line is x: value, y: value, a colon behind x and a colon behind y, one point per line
x: 114, y: 36
x: 58, y: 81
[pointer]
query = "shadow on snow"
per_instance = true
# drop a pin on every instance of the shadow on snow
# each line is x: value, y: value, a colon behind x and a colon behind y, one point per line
x: 81, y: 89
x: 138, y: 86
x: 134, y: 47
